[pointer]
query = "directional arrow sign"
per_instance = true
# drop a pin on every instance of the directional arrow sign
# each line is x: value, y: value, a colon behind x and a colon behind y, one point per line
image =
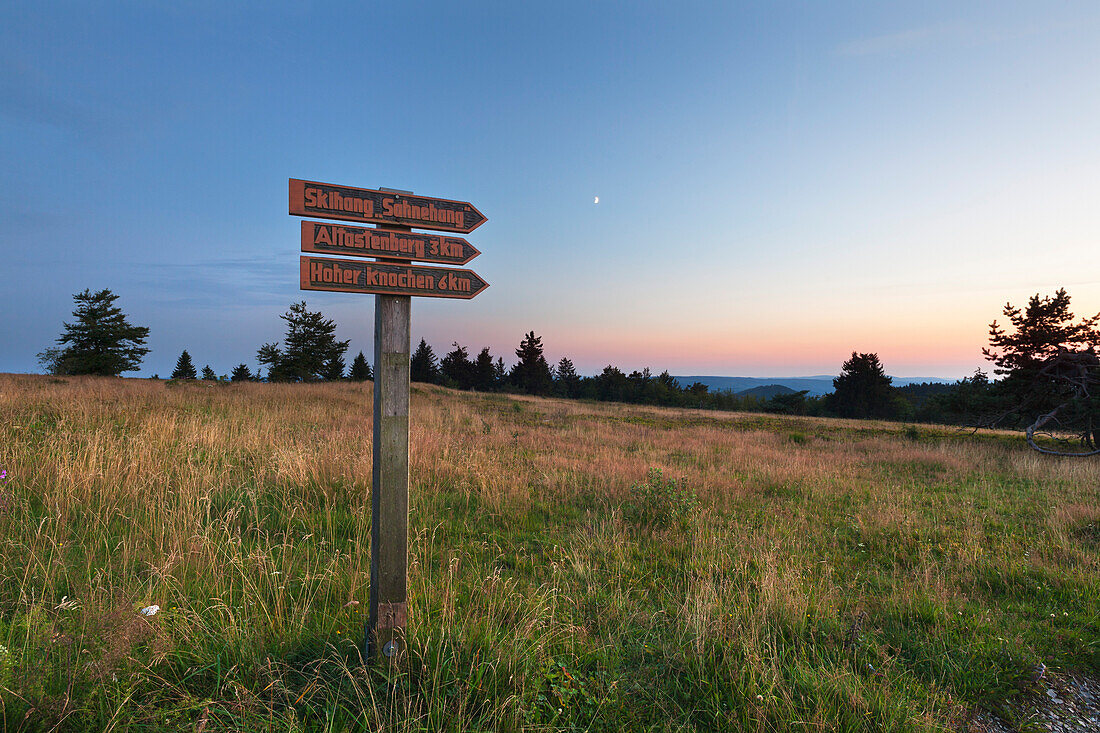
x: 338, y: 239
x: 329, y: 201
x: 356, y: 276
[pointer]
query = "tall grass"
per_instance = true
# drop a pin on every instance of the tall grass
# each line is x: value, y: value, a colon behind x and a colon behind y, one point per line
x: 572, y: 566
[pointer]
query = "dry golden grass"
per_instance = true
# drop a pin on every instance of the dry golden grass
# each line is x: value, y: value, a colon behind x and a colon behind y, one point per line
x: 243, y: 511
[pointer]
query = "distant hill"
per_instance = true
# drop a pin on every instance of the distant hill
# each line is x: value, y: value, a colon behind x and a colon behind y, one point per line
x: 766, y: 392
x: 818, y: 384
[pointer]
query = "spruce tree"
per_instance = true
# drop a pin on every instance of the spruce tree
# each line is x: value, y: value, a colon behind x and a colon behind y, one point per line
x: 241, y: 373
x: 1050, y: 364
x: 484, y: 373
x: 334, y: 368
x: 457, y: 369
x: 532, y: 373
x: 862, y: 389
x: 309, y: 349
x: 422, y: 365
x: 184, y: 368
x: 100, y: 341
x: 208, y: 374
x: 567, y: 380
x: 360, y: 369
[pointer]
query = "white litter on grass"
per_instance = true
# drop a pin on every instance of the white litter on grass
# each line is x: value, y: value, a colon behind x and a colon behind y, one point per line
x: 149, y: 611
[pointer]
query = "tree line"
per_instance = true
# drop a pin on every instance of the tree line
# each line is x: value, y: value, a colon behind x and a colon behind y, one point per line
x: 1047, y: 362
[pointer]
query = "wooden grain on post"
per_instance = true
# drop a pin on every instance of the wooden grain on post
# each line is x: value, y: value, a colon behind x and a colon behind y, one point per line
x: 390, y: 490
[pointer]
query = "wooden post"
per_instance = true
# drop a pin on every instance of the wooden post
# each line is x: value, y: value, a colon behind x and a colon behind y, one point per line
x: 390, y: 486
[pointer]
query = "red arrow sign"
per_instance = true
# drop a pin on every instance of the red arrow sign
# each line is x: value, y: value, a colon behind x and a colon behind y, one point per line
x: 329, y: 201
x: 339, y: 239
x: 379, y: 278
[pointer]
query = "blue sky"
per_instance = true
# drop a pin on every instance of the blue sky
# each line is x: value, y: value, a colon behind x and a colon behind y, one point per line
x: 779, y: 183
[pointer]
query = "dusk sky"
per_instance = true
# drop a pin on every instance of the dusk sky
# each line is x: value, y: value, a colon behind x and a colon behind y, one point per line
x: 779, y: 183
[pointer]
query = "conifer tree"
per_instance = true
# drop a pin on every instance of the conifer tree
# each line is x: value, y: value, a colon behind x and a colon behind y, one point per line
x: 360, y: 369
x: 566, y: 378
x: 862, y: 389
x: 100, y: 341
x: 1051, y: 368
x: 334, y: 368
x: 532, y: 373
x: 484, y: 373
x: 208, y: 374
x: 309, y: 348
x: 184, y: 368
x: 422, y: 365
x: 457, y: 368
x: 241, y: 373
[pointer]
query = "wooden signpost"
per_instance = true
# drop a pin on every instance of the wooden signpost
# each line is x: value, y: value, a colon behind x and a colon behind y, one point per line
x: 393, y: 279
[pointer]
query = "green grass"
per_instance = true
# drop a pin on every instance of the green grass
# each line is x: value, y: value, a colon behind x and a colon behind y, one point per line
x: 572, y: 567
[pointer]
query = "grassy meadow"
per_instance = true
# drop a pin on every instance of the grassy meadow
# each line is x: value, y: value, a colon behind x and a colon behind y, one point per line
x: 573, y: 566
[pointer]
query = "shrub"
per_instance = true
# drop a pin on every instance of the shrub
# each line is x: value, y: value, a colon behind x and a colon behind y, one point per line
x: 660, y: 503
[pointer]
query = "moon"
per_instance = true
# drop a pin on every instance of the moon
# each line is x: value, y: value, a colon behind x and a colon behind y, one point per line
x: 597, y: 200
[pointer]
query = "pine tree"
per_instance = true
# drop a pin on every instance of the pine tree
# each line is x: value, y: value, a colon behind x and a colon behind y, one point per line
x: 100, y: 341
x: 241, y: 373
x: 532, y: 373
x: 184, y: 368
x: 500, y: 374
x: 360, y: 369
x: 422, y: 365
x: 208, y: 374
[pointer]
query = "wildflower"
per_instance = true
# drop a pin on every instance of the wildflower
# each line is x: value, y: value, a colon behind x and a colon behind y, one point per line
x: 149, y: 610
x: 4, y: 475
